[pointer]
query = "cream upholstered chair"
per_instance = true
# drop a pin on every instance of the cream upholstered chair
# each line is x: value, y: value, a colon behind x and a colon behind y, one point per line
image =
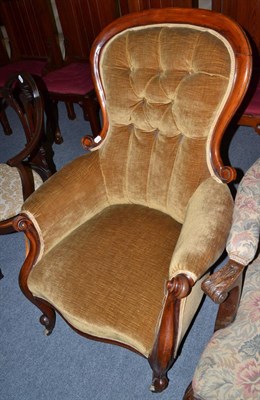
x: 28, y: 168
x: 229, y: 367
x: 120, y: 238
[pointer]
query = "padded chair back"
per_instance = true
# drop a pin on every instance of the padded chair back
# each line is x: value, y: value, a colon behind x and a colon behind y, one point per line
x: 168, y: 90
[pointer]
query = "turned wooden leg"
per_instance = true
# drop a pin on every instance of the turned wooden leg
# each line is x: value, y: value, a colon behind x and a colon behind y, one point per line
x: 52, y: 123
x: 70, y: 110
x: 91, y: 108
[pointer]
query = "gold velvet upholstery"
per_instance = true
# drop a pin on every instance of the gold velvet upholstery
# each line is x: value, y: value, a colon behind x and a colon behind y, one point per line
x: 118, y: 230
x: 136, y: 241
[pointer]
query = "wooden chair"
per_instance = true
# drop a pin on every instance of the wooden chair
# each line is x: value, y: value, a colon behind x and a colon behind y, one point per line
x: 247, y: 14
x: 128, y: 6
x: 229, y: 365
x: 121, y: 238
x: 25, y: 171
x: 32, y: 36
x: 80, y: 21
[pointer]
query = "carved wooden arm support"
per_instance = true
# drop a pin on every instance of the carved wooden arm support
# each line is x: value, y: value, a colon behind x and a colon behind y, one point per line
x: 163, y: 351
x: 23, y: 224
x: 218, y: 285
x: 180, y: 286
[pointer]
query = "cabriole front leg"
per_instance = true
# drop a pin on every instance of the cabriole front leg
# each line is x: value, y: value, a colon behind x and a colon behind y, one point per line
x: 162, y: 356
x: 23, y: 224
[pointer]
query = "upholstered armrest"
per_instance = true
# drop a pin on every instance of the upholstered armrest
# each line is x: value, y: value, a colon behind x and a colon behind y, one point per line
x: 62, y: 203
x: 244, y: 236
x: 205, y: 230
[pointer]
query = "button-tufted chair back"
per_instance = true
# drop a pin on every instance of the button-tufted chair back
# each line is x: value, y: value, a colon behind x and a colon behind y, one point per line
x: 165, y: 86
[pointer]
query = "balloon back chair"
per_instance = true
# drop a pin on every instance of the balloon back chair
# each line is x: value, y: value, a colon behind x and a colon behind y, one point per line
x: 31, y: 37
x: 121, y: 237
x: 25, y: 171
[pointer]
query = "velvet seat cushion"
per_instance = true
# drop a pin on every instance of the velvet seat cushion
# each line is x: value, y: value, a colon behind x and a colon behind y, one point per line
x: 109, y: 282
x: 11, y: 197
x: 74, y: 78
x: 34, y: 67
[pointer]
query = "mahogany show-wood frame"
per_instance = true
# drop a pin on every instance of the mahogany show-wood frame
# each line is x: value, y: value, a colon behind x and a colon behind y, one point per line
x: 162, y: 355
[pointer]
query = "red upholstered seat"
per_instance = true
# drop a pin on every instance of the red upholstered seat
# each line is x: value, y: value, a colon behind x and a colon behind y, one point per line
x: 34, y: 67
x: 74, y: 78
x: 253, y: 107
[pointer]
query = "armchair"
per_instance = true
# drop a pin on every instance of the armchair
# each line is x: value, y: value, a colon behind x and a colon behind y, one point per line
x: 25, y: 171
x: 121, y: 237
x: 229, y: 367
x: 32, y: 38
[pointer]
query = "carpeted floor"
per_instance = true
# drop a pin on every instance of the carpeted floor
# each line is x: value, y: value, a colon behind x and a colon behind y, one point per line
x: 66, y: 366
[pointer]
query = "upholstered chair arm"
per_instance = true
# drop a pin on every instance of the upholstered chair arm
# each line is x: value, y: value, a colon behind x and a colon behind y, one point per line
x: 242, y: 243
x: 244, y: 236
x: 62, y: 203
x: 205, y: 230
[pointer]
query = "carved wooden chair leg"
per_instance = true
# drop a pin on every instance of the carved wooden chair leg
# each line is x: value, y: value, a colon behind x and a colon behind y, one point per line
x: 52, y: 124
x: 91, y: 108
